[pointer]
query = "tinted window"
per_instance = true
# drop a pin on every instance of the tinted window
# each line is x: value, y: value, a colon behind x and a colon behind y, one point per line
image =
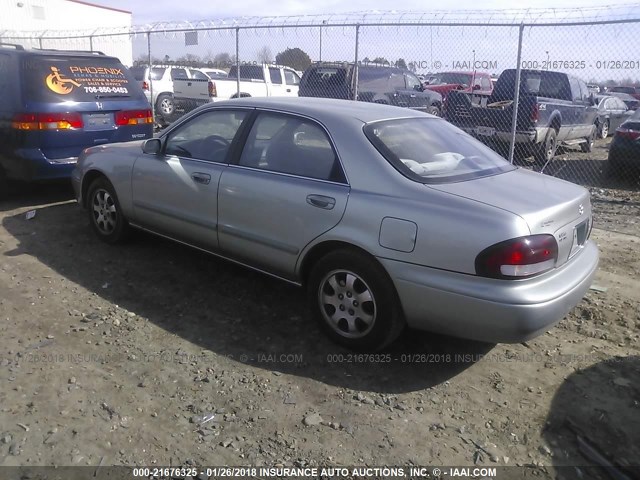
x: 448, y: 78
x: 628, y: 90
x: 6, y: 81
x: 292, y: 145
x: 413, y: 81
x: 206, y: 137
x: 543, y: 84
x: 396, y: 81
x: 178, y: 73
x: 432, y: 150
x: 291, y: 78
x: 276, y: 77
x: 485, y: 83
x: 138, y: 72
x: 198, y: 75
x: 326, y: 77
x: 248, y: 72
x: 80, y: 79
x: 157, y: 73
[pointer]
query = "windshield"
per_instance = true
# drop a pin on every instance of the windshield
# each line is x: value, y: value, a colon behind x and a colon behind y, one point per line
x: 432, y: 150
x: 449, y: 78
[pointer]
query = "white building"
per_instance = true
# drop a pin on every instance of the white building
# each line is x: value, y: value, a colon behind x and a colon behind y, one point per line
x: 26, y: 21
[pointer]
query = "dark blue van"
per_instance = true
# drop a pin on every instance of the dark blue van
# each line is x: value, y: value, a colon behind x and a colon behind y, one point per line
x: 56, y: 103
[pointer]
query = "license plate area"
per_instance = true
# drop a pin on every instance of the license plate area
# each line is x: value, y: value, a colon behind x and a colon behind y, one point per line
x: 98, y: 121
x: 485, y: 131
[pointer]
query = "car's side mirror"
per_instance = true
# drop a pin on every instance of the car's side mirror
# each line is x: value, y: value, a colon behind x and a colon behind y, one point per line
x: 153, y: 146
x: 419, y: 88
x: 476, y: 87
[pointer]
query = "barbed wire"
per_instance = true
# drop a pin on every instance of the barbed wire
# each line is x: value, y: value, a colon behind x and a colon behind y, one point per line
x: 616, y: 13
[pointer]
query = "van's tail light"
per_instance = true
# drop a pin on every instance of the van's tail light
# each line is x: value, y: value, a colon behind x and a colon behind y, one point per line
x: 535, y: 112
x: 47, y: 121
x: 145, y: 85
x: 133, y: 117
x: 213, y: 91
x: 518, y: 258
x: 627, y: 133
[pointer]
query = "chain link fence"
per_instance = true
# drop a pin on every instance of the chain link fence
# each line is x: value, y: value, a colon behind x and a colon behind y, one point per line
x: 554, y: 90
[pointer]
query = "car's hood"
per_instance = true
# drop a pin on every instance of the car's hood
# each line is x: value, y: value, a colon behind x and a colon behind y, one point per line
x: 547, y: 204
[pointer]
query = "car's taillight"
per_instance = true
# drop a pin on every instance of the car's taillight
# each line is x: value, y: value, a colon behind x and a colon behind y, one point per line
x: 47, y: 121
x: 145, y: 85
x: 627, y: 133
x: 518, y: 258
x: 133, y: 117
x: 535, y: 112
x: 213, y: 91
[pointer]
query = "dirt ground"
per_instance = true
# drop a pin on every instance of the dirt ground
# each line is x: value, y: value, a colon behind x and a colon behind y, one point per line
x: 155, y: 354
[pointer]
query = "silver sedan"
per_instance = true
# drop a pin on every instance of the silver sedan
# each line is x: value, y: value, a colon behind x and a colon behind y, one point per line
x: 388, y: 217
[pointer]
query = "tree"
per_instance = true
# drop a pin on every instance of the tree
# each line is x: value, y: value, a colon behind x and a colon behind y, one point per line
x: 401, y: 64
x: 381, y: 61
x: 265, y: 55
x: 294, y: 58
x: 222, y: 60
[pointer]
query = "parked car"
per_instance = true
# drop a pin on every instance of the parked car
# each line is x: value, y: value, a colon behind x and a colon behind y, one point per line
x: 611, y: 113
x: 554, y: 108
x: 624, y: 151
x: 593, y: 88
x: 55, y: 103
x: 439, y: 232
x: 630, y: 90
x: 255, y: 81
x: 476, y: 82
x: 632, y: 103
x: 376, y: 84
x: 157, y: 84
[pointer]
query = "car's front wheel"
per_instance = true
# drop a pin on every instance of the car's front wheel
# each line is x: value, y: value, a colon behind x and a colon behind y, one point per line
x: 105, y: 214
x: 355, y: 301
x: 603, y: 129
x: 547, y: 149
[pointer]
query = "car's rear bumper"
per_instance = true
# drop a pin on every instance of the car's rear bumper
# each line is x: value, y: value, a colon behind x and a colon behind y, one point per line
x: 500, y: 311
x: 31, y: 165
x: 526, y: 136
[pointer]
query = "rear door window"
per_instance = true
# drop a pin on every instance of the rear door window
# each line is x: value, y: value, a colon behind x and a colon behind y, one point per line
x: 79, y: 79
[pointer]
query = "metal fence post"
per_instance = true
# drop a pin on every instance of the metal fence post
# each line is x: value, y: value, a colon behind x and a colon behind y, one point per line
x: 516, y: 98
x: 153, y: 103
x: 91, y: 43
x: 40, y: 43
x: 238, y: 61
x: 355, y: 65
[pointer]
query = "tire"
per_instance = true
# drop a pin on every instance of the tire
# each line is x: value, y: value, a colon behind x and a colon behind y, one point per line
x: 587, y: 146
x: 4, y: 185
x: 547, y: 149
x: 347, y: 276
x: 165, y: 107
x: 105, y: 213
x: 433, y: 110
x: 603, y: 129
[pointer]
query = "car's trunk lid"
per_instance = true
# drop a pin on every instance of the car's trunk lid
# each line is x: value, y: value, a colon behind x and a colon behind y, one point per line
x: 547, y: 204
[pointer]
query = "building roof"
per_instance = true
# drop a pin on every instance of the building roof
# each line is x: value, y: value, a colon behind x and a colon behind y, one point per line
x: 90, y: 4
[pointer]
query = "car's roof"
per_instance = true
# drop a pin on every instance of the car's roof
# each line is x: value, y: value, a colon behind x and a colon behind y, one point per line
x: 326, y: 109
x: 63, y: 53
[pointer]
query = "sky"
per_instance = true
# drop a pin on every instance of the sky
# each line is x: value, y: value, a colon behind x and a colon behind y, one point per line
x: 171, y: 10
x: 594, y: 53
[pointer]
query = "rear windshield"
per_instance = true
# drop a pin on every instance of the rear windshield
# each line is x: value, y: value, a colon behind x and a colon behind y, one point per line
x: 449, y: 78
x: 624, y: 89
x: 79, y: 79
x: 542, y: 84
x: 327, y: 77
x: 431, y: 150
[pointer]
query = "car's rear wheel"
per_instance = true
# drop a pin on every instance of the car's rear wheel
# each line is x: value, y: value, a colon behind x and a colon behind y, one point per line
x: 433, y: 110
x: 603, y: 129
x: 547, y: 149
x: 4, y: 185
x: 165, y: 107
x: 105, y: 214
x: 354, y: 301
x: 587, y: 146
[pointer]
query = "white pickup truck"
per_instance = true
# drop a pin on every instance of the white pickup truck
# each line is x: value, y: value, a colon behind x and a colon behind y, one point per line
x: 255, y: 81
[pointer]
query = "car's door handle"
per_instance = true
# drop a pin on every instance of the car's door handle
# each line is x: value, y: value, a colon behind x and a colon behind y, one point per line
x: 288, y: 90
x: 413, y: 95
x: 321, y: 201
x: 202, y: 178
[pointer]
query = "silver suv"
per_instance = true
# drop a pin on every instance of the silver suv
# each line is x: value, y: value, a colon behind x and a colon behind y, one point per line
x: 157, y: 84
